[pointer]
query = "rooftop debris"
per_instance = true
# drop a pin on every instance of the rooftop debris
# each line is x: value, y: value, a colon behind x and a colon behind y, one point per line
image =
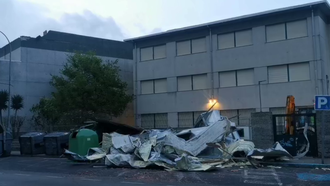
x: 213, y: 143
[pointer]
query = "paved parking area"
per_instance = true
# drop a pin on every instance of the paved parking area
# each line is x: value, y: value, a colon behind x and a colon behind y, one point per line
x: 61, y: 167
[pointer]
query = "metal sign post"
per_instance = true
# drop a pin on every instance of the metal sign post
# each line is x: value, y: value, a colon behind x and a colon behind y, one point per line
x: 322, y: 103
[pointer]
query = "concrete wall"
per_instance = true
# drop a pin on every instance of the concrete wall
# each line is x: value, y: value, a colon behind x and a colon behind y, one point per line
x: 31, y: 76
x: 262, y: 129
x: 326, y: 130
x: 258, y: 56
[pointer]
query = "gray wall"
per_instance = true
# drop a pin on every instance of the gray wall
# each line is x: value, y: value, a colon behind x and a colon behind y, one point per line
x: 31, y: 76
x: 258, y: 56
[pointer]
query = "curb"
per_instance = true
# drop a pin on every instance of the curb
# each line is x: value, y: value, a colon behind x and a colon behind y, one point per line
x: 297, y: 165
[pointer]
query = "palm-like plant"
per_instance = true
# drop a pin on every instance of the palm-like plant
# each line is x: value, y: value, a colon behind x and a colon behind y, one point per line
x: 4, y: 97
x: 16, y: 104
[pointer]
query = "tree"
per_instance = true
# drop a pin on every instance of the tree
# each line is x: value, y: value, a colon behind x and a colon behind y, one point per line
x: 44, y: 115
x: 89, y: 85
x: 17, y: 104
x: 4, y: 97
x: 86, y: 86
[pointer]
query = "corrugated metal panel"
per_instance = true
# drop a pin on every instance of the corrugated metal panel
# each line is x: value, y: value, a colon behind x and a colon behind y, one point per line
x: 226, y: 41
x: 245, y: 77
x: 275, y: 32
x: 243, y: 38
x: 183, y: 48
x: 245, y: 116
x: 296, y: 29
x: 299, y: 72
x: 198, y: 45
x: 160, y: 52
x: 147, y: 121
x: 278, y: 74
x: 184, y: 83
x: 146, y: 54
x: 160, y: 85
x: 161, y: 121
x: 200, y: 82
x: 147, y: 87
x: 227, y: 79
x: 186, y: 119
x: 230, y: 114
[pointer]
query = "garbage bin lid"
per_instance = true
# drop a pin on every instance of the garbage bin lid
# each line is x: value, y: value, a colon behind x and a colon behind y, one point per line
x: 56, y: 134
x: 32, y: 134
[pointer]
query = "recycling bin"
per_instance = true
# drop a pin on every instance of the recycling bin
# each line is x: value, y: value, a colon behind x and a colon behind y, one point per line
x: 9, y: 140
x: 82, y: 140
x: 56, y: 142
x: 32, y: 143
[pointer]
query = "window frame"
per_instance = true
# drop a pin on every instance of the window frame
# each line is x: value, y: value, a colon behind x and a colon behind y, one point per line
x: 153, y: 86
x: 153, y: 53
x: 288, y: 72
x: 192, y: 82
x: 190, y: 43
x: 286, y: 30
x: 250, y: 29
x: 193, y: 118
x: 236, y: 80
x: 154, y: 119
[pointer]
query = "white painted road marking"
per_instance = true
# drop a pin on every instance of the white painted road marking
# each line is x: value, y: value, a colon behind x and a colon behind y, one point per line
x: 263, y: 177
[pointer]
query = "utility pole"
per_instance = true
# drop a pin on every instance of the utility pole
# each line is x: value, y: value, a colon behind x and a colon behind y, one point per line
x: 9, y: 92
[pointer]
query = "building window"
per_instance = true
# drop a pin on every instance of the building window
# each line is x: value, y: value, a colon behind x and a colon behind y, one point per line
x: 152, y: 121
x: 235, y: 39
x: 232, y: 115
x: 147, y: 87
x: 195, y: 82
x: 289, y: 30
x: 299, y: 72
x: 188, y: 119
x: 244, y: 116
x: 291, y: 72
x: 236, y: 78
x: 154, y: 86
x: 160, y: 85
x: 191, y: 46
x: 151, y: 53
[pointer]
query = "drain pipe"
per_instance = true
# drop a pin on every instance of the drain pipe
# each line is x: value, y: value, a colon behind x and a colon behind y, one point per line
x: 211, y: 60
x: 136, y: 85
x: 314, y: 52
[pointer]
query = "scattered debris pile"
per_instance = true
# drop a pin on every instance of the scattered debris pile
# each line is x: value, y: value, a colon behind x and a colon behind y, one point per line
x: 214, y: 142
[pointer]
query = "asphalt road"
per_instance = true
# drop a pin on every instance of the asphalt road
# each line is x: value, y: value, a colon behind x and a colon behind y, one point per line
x: 39, y: 171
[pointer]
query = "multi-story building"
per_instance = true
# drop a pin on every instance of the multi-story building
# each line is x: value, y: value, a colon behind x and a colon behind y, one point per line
x: 35, y: 59
x: 180, y: 73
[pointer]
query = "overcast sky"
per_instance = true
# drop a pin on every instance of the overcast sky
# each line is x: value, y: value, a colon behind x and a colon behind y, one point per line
x: 121, y: 19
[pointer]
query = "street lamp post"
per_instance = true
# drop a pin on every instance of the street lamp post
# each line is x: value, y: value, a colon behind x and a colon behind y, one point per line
x: 9, y: 92
x: 260, y: 105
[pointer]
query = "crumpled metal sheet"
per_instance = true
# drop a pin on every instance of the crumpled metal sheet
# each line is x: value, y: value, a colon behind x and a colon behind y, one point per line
x: 197, y: 144
x: 277, y: 152
x: 302, y: 153
x: 239, y: 146
x: 125, y: 143
x: 93, y: 154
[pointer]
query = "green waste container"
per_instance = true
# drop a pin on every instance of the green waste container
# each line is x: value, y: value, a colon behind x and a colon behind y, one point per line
x: 82, y: 140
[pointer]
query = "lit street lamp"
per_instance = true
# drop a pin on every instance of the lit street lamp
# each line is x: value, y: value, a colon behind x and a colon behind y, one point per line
x: 9, y: 92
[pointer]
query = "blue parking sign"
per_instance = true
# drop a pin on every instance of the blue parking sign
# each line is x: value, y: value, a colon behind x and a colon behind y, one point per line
x: 322, y: 102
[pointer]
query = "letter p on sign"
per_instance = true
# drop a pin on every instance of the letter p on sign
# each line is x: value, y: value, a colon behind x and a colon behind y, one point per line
x: 322, y: 102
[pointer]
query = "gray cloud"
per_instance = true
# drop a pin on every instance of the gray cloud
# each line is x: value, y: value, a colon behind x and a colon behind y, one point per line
x: 23, y: 18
